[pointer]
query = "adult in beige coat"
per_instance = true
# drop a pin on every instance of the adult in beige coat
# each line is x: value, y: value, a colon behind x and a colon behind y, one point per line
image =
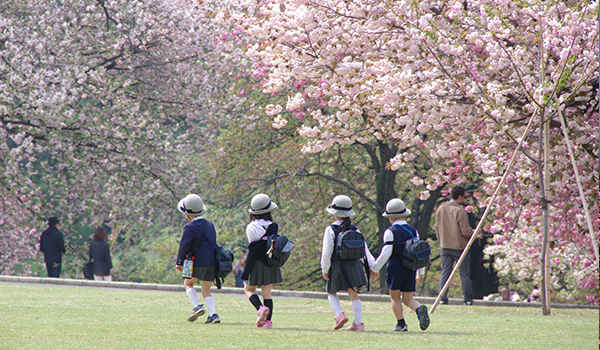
x: 453, y: 233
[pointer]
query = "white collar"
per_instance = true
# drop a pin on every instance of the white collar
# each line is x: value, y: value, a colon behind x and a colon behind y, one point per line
x: 400, y: 222
x: 197, y: 218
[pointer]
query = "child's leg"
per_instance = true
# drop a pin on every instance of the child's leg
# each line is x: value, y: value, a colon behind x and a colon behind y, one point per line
x: 356, y: 306
x: 334, y: 300
x: 191, y: 291
x: 420, y: 310
x: 268, y: 299
x: 398, y: 310
x: 396, y: 304
x: 407, y: 298
x: 210, y: 301
x: 252, y: 296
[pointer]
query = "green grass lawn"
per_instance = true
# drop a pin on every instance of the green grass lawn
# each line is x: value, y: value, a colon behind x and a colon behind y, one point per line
x: 53, y: 317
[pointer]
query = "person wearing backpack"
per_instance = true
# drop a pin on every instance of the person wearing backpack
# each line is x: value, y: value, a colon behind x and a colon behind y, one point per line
x: 343, y: 274
x: 401, y: 281
x: 257, y: 272
x: 197, y: 241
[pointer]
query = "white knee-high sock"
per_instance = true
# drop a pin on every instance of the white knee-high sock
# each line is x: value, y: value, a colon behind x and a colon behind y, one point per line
x: 191, y: 292
x: 335, y: 303
x: 210, y: 302
x: 357, y: 309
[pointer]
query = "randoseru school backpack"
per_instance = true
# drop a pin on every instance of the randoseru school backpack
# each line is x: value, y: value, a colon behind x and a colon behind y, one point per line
x: 416, y: 253
x: 279, y: 248
x: 350, y: 245
x: 225, y: 259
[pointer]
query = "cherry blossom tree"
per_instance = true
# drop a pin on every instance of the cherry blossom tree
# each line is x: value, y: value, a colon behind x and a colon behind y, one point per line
x: 102, y: 106
x: 453, y: 84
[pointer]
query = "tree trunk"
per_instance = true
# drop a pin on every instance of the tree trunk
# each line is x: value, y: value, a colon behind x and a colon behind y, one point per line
x: 422, y: 211
x: 385, y: 182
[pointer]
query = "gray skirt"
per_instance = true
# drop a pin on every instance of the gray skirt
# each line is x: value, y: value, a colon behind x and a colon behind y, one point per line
x: 263, y: 275
x: 204, y: 273
x: 355, y: 275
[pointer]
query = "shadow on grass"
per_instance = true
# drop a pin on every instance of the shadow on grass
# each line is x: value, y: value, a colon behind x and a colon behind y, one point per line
x: 299, y: 329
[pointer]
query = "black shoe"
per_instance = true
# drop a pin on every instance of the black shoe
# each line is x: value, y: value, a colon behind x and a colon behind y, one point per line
x: 468, y: 303
x: 423, y: 317
x: 444, y: 302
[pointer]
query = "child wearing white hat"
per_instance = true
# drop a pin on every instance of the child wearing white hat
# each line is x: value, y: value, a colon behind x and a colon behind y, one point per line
x: 343, y: 275
x: 197, y: 242
x: 257, y: 272
x: 400, y: 281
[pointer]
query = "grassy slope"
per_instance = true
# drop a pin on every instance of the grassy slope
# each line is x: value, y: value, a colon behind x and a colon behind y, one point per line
x: 50, y: 317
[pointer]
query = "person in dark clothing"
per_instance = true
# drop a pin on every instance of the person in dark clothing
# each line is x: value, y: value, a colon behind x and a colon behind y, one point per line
x: 52, y: 244
x: 100, y: 255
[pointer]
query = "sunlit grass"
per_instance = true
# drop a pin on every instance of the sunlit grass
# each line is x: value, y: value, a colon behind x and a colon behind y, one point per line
x: 52, y: 317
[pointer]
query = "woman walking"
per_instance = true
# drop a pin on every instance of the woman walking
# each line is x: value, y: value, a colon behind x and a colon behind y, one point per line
x: 100, y: 256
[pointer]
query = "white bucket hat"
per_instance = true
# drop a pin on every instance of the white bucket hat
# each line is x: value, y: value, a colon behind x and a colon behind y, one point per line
x: 341, y: 206
x: 261, y: 204
x: 191, y: 204
x: 395, y: 208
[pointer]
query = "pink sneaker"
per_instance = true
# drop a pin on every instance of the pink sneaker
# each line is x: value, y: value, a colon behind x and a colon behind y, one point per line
x: 339, y: 321
x: 262, y: 314
x: 356, y: 327
x: 268, y: 325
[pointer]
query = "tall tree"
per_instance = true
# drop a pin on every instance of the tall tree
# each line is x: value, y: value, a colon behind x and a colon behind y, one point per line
x: 102, y: 103
x: 453, y: 83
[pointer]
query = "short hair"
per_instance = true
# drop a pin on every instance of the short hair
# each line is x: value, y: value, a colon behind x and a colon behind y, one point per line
x: 457, y: 192
x: 265, y: 216
x: 100, y: 234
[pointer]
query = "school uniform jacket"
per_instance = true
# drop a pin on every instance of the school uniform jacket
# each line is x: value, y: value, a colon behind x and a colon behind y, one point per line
x: 194, y: 241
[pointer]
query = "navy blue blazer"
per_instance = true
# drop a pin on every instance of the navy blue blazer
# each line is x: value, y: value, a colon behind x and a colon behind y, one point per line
x: 194, y: 241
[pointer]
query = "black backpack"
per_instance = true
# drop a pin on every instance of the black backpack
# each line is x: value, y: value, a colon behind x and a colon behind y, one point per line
x: 223, y: 262
x: 416, y: 253
x: 350, y: 245
x: 279, y: 248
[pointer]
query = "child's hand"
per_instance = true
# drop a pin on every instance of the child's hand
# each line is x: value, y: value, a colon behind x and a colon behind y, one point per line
x: 374, y: 275
x: 179, y: 268
x: 326, y: 277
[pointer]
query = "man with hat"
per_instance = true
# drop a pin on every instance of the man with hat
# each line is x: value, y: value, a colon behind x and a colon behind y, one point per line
x: 52, y: 244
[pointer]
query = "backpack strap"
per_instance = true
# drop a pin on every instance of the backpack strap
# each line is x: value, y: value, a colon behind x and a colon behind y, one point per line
x: 407, y: 230
x: 270, y: 230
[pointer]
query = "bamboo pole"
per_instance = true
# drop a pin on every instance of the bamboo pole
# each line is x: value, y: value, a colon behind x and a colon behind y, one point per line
x: 485, y: 213
x: 588, y: 218
x: 544, y: 183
